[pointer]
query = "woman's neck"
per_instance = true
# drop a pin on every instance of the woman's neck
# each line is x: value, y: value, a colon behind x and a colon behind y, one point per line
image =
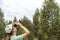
x: 14, y: 34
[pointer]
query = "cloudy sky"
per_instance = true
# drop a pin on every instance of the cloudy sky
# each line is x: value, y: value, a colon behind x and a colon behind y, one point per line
x: 20, y: 8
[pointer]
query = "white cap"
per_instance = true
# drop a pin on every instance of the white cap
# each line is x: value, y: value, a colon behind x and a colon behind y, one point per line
x: 8, y: 28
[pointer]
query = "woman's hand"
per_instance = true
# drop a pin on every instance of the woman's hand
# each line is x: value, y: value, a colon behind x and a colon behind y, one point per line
x: 17, y: 23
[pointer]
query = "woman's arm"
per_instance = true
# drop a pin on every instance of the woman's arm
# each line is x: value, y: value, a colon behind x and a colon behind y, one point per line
x: 26, y: 31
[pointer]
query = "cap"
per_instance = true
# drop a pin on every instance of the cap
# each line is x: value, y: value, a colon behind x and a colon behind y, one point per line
x: 8, y: 28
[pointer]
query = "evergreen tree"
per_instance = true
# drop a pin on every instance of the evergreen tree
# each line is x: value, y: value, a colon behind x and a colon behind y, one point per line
x: 49, y: 20
x: 36, y: 17
x: 15, y: 19
x: 2, y: 24
x: 9, y: 22
x: 36, y: 22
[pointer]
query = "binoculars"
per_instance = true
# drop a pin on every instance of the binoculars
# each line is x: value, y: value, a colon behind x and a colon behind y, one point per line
x: 14, y: 25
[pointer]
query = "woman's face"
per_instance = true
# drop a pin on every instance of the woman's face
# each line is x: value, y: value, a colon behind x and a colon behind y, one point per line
x: 14, y: 29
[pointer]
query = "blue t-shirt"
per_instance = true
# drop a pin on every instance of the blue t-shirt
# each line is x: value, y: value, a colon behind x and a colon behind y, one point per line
x: 19, y: 37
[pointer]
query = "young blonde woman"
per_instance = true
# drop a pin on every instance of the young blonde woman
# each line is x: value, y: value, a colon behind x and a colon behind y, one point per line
x: 11, y: 32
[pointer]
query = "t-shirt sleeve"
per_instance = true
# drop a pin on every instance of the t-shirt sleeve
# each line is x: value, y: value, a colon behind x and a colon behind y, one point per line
x: 20, y: 37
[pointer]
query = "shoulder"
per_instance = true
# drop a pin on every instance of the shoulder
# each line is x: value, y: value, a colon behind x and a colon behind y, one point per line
x: 19, y: 37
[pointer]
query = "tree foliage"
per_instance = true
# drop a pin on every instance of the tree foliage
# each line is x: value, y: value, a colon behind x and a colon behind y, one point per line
x: 2, y: 24
x: 45, y: 25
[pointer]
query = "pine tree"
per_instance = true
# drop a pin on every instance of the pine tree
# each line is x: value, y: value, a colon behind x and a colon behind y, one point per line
x: 36, y: 17
x: 36, y: 22
x: 49, y: 20
x: 2, y: 24
x: 15, y: 19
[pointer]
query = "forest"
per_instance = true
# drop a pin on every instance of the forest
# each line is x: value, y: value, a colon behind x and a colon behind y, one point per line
x: 44, y: 26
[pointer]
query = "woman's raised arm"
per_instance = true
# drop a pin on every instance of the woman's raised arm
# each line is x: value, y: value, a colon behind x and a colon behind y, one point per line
x: 26, y: 31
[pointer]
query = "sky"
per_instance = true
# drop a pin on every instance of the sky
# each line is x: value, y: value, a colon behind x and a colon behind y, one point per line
x: 20, y: 8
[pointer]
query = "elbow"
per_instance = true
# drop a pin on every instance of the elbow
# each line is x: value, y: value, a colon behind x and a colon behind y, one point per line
x: 28, y: 32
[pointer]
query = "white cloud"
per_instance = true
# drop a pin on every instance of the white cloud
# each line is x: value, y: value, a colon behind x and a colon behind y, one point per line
x: 20, y: 8
x: 58, y: 1
x: 0, y: 3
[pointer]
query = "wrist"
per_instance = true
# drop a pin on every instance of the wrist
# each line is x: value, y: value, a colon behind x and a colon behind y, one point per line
x: 19, y: 24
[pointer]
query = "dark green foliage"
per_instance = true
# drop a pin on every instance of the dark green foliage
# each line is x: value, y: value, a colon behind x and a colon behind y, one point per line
x: 45, y: 25
x: 50, y: 20
x: 15, y: 19
x: 2, y: 24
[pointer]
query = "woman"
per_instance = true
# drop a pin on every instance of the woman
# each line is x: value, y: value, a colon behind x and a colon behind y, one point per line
x: 11, y: 32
